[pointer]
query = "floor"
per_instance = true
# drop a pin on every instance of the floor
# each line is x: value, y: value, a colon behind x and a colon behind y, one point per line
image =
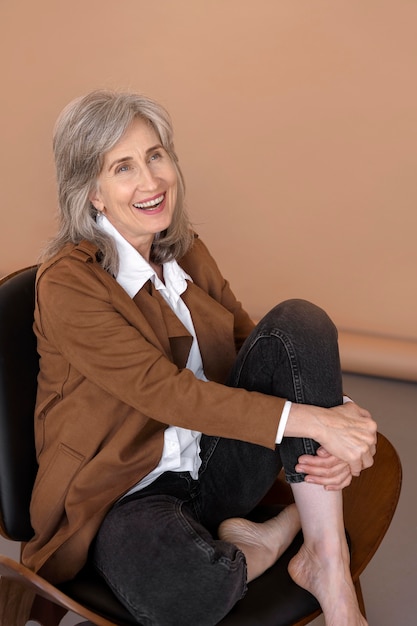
x: 389, y: 581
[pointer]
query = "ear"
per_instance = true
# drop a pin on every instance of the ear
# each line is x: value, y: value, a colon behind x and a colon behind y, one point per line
x: 95, y: 199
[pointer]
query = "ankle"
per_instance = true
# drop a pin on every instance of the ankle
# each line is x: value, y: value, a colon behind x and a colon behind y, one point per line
x: 328, y: 551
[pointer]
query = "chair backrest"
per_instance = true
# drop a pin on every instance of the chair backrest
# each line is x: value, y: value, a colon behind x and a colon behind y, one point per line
x: 19, y: 366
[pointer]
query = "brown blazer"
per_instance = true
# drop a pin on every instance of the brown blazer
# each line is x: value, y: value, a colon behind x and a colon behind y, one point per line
x: 112, y: 377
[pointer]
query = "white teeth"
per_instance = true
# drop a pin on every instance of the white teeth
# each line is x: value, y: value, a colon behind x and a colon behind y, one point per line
x: 149, y: 204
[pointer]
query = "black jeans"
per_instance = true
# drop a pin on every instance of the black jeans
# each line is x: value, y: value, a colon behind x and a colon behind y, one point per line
x: 157, y: 549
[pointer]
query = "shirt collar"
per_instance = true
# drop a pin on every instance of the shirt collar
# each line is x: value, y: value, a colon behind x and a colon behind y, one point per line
x: 134, y: 271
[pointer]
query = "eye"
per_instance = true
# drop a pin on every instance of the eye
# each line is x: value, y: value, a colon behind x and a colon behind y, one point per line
x: 156, y: 156
x: 124, y: 167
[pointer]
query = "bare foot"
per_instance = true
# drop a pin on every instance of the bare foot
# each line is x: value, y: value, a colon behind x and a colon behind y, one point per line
x: 329, y: 580
x: 262, y: 544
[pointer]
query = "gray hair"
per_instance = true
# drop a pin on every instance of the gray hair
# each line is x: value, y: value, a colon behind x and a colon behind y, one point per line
x: 87, y: 128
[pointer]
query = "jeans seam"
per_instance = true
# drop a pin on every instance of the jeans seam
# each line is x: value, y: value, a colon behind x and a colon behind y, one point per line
x: 291, y: 354
x: 296, y: 380
x: 295, y: 370
x: 298, y: 388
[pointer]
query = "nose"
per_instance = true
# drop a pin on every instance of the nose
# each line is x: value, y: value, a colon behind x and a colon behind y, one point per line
x: 147, y: 181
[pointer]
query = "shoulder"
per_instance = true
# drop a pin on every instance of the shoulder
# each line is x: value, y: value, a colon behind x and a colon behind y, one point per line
x: 73, y: 288
x: 85, y: 251
x: 75, y: 267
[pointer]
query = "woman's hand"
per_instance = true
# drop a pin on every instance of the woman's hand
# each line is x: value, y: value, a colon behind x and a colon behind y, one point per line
x: 325, y: 469
x: 347, y: 432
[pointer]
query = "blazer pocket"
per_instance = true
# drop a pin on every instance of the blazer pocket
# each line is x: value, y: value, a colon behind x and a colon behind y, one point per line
x: 41, y: 412
x: 50, y: 492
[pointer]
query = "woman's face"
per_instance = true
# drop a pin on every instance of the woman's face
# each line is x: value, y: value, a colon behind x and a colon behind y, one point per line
x: 137, y: 186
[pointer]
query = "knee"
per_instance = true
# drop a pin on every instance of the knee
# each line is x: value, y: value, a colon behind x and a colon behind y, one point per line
x: 302, y: 316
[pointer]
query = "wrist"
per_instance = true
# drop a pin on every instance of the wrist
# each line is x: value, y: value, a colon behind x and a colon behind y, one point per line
x: 304, y: 421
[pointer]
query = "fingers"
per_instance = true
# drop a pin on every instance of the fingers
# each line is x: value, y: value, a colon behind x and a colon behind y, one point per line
x: 331, y: 471
x: 339, y: 487
x: 363, y: 463
x: 366, y: 453
x: 325, y: 469
x: 332, y: 483
x: 321, y: 459
x: 323, y: 453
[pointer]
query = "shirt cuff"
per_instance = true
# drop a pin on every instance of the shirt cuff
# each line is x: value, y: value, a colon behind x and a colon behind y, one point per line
x: 283, y: 421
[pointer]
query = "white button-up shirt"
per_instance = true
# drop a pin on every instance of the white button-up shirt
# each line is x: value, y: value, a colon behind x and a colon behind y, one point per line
x: 181, y: 446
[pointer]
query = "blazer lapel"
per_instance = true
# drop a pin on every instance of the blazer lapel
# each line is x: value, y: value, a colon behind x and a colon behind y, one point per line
x: 214, y: 328
x: 175, y: 339
x: 212, y: 322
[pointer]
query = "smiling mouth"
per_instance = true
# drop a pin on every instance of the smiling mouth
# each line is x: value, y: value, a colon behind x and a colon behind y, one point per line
x: 150, y: 205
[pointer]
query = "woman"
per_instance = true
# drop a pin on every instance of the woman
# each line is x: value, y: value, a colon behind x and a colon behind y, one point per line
x: 153, y: 438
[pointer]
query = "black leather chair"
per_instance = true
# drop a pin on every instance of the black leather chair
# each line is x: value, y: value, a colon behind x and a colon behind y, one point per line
x: 272, y: 599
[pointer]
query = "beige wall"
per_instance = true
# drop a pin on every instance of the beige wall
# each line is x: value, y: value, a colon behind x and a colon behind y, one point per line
x: 296, y: 125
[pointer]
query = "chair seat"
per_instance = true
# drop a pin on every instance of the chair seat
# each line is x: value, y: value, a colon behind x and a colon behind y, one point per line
x: 90, y: 590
